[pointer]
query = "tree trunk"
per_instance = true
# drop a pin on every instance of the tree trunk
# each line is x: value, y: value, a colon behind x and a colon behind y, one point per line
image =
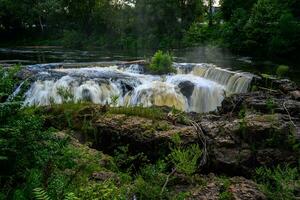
x: 41, y: 24
x: 210, y: 12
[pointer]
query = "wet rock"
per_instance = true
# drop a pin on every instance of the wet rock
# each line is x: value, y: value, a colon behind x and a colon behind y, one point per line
x: 186, y: 88
x: 3, y: 97
x: 295, y: 94
x: 86, y: 95
x: 24, y: 73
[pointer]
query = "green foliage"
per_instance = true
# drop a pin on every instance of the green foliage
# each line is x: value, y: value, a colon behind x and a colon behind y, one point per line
x: 106, y: 190
x: 149, y: 182
x: 197, y: 34
x: 279, y: 182
x: 185, y: 159
x: 225, y: 194
x: 73, y: 39
x: 151, y: 113
x: 40, y: 194
x: 66, y: 94
x: 271, y: 105
x: 114, y: 100
x: 282, y: 70
x: 8, y: 80
x: 71, y: 196
x: 161, y: 63
x: 124, y: 159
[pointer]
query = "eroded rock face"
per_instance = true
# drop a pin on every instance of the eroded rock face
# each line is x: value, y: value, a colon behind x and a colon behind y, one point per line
x: 238, y: 188
x: 250, y: 130
x: 143, y: 135
x: 243, y: 189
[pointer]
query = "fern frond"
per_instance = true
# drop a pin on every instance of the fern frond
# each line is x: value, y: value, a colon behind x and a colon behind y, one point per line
x: 71, y: 196
x: 40, y: 194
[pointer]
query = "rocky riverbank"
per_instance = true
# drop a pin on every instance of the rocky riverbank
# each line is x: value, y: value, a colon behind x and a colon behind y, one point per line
x: 251, y: 130
x: 247, y: 149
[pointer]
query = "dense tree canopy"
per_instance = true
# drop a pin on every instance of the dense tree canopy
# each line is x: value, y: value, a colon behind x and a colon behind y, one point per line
x: 261, y: 27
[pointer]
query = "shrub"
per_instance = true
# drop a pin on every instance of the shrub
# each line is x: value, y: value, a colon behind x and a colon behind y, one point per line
x: 73, y: 39
x: 8, y: 80
x: 161, y: 63
x: 278, y: 183
x: 282, y: 70
x: 185, y: 159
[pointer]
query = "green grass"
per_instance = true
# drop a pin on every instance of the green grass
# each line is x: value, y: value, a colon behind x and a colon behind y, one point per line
x: 151, y: 113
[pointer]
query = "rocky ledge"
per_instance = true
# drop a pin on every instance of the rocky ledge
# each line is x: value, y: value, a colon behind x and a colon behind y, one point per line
x: 250, y: 130
x: 259, y: 128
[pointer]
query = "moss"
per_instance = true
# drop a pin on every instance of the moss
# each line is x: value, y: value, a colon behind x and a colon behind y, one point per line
x: 150, y: 113
x: 282, y: 70
x: 225, y: 183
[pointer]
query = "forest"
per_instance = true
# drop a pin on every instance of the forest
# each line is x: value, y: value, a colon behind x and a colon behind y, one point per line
x: 256, y: 27
x: 212, y: 113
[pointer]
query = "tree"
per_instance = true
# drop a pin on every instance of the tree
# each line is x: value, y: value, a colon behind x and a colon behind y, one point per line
x: 228, y: 7
x: 210, y: 5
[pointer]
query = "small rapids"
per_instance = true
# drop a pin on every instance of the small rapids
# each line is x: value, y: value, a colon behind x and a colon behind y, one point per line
x: 194, y: 88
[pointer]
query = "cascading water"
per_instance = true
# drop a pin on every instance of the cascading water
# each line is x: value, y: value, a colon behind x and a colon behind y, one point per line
x: 235, y: 82
x: 195, y: 88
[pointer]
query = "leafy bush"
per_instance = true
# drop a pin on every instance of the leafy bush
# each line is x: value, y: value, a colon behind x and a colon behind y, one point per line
x: 282, y: 70
x: 161, y: 63
x: 8, y: 80
x: 149, y: 182
x: 278, y: 183
x: 185, y: 160
x: 73, y: 39
x: 200, y: 34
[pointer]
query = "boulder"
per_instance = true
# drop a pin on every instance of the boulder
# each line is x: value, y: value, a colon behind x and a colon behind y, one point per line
x: 243, y: 189
x: 186, y: 88
x: 295, y: 94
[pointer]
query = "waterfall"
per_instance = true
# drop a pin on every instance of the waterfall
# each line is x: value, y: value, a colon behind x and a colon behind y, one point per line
x: 235, y: 82
x: 195, y: 88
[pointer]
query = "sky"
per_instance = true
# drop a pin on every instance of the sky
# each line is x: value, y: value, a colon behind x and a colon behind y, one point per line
x: 217, y: 3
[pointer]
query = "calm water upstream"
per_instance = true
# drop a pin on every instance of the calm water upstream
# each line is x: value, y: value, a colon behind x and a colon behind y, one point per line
x: 203, y: 77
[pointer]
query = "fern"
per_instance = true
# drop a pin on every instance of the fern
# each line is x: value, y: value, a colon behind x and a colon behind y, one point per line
x: 40, y: 194
x: 71, y: 196
x: 185, y: 160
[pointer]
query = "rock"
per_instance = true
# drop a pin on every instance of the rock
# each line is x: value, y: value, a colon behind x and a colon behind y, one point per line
x: 285, y: 85
x: 239, y: 188
x: 243, y: 189
x: 271, y: 156
x: 233, y: 143
x: 186, y: 88
x: 104, y: 175
x: 143, y: 135
x: 295, y: 94
x: 210, y: 192
x: 3, y: 97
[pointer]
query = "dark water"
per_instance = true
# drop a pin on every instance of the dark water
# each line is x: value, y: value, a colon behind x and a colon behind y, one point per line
x: 221, y: 57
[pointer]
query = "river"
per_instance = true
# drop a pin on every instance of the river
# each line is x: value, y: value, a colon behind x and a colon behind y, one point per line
x: 204, y: 76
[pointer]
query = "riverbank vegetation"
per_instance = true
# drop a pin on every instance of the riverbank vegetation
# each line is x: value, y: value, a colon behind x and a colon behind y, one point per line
x: 257, y: 27
x: 86, y: 151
